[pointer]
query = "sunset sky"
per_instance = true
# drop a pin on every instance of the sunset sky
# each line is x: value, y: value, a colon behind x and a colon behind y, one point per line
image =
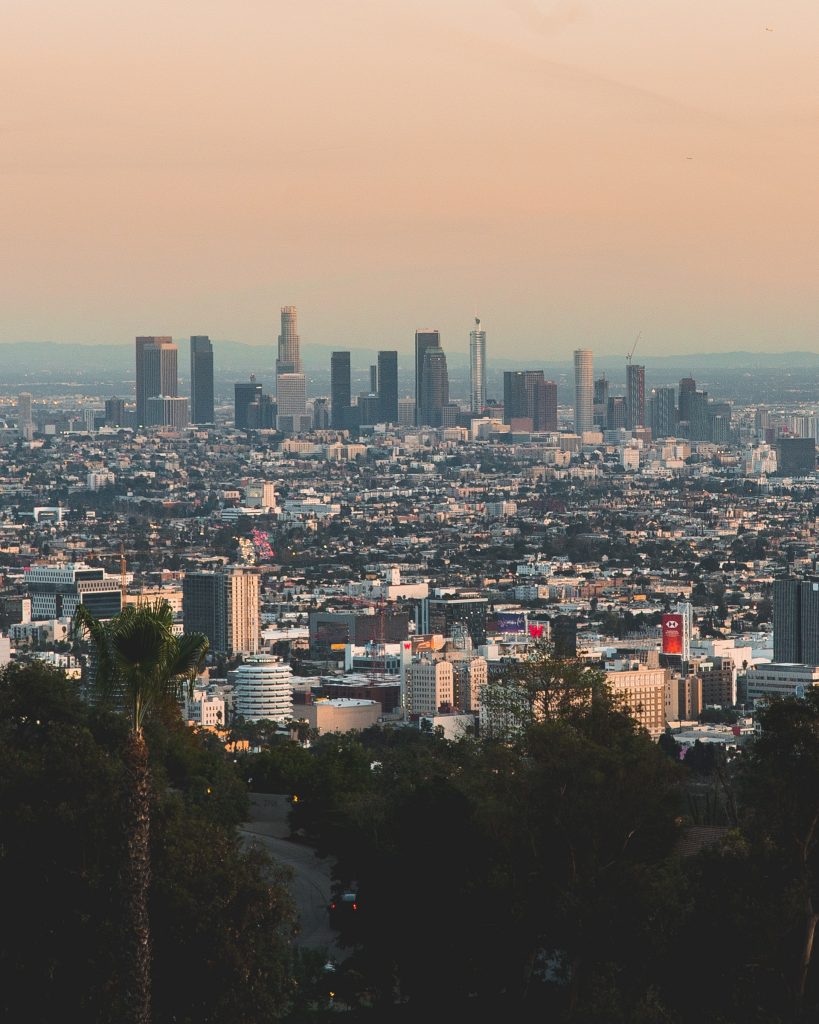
x: 574, y: 171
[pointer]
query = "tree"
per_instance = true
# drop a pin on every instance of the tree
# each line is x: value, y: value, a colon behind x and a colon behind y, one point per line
x: 139, y: 661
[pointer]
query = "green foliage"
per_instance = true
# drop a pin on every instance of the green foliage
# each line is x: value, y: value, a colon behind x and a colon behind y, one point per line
x: 222, y: 918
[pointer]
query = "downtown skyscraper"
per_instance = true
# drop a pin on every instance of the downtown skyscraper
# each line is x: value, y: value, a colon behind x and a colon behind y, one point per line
x: 477, y: 368
x: 388, y: 386
x: 340, y: 390
x: 201, y: 379
x: 583, y: 390
x: 423, y: 340
x: 635, y: 396
x: 156, y: 373
x: 291, y: 385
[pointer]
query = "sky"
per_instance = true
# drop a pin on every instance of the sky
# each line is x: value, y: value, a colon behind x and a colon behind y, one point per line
x: 574, y: 171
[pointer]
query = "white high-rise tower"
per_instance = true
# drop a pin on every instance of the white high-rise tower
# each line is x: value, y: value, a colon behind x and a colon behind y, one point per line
x: 290, y: 379
x: 583, y: 390
x: 477, y: 368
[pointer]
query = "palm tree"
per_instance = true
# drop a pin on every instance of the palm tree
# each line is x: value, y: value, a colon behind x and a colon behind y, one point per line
x: 140, y: 662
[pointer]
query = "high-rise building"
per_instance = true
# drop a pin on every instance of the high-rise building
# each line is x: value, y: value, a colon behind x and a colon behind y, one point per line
x: 687, y: 388
x: 225, y: 607
x: 291, y: 403
x: 515, y: 400
x: 201, y: 379
x: 549, y: 405
x: 699, y: 427
x: 340, y: 389
x: 434, y: 387
x: 423, y: 340
x: 583, y: 390
x: 115, y: 412
x: 477, y: 368
x: 635, y: 396
x: 406, y: 412
x: 156, y: 371
x: 663, y: 412
x: 601, y: 401
x: 166, y: 411
x: 291, y: 384
x: 796, y: 621
x: 616, y: 413
x: 25, y: 423
x: 373, y: 378
x: 388, y: 385
x: 321, y: 414
x: 289, y: 354
x: 244, y: 394
x: 796, y: 456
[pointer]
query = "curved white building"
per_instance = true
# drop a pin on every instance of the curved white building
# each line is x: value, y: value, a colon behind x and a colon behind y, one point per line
x: 264, y: 689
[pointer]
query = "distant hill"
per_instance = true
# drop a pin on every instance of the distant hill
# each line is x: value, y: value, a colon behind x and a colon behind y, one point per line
x: 52, y: 361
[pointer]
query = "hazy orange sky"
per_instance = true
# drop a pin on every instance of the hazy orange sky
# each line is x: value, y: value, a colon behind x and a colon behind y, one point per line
x: 575, y: 171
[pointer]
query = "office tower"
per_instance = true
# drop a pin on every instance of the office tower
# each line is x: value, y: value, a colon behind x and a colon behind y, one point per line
x: 440, y: 615
x: 373, y: 379
x: 600, y: 401
x: 156, y: 371
x: 423, y: 340
x: 340, y: 389
x: 616, y: 413
x: 635, y: 396
x: 796, y: 456
x: 89, y: 415
x: 114, y: 412
x: 388, y: 385
x: 57, y: 590
x: 450, y: 414
x: 663, y: 412
x: 25, y: 423
x: 583, y: 390
x: 406, y: 412
x: 549, y: 405
x: 796, y: 621
x: 699, y: 428
x: 515, y: 401
x: 291, y: 402
x: 687, y: 388
x: 369, y: 409
x: 167, y: 411
x: 224, y: 606
x: 477, y: 368
x: 289, y: 354
x: 261, y: 413
x: 321, y: 414
x: 201, y: 379
x: 244, y: 393
x: 434, y: 387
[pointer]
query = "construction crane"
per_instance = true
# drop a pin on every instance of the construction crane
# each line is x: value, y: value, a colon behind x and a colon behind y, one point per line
x: 633, y: 347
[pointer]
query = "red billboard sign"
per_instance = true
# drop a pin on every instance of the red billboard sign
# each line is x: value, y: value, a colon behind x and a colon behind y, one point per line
x: 536, y: 630
x: 672, y: 634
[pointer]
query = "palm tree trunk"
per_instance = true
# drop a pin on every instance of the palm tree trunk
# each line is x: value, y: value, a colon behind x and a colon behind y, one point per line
x: 137, y: 881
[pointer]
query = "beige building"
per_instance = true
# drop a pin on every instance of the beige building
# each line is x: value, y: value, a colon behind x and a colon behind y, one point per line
x: 242, y: 601
x: 429, y: 684
x: 470, y: 675
x: 341, y: 714
x: 643, y: 693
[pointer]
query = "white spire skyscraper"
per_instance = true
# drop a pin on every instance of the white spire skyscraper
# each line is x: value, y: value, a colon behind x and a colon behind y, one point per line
x: 477, y: 368
x: 583, y: 390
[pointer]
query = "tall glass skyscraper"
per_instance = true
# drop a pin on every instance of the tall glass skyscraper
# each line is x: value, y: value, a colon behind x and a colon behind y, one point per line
x: 388, y: 386
x: 340, y: 390
x: 635, y: 396
x: 583, y: 390
x: 423, y: 341
x: 434, y: 388
x: 477, y: 368
x: 156, y: 372
x: 201, y: 379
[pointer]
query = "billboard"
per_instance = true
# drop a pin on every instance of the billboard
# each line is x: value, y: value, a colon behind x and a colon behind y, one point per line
x: 510, y: 622
x: 536, y: 630
x: 673, y: 626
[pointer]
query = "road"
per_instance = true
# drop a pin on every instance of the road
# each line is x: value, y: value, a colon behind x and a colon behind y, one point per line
x: 311, y: 883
